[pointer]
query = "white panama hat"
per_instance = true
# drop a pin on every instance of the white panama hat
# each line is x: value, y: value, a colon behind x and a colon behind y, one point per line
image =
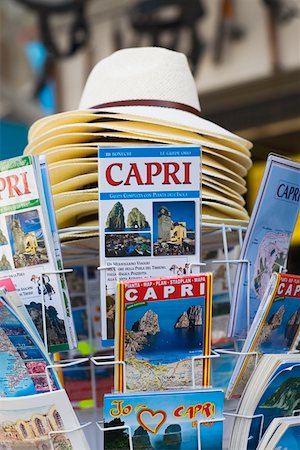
x: 148, y: 82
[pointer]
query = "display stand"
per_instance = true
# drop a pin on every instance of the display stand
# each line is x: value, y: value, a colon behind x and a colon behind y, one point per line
x: 221, y: 235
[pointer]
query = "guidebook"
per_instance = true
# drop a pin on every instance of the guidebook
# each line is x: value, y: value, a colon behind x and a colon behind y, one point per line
x: 29, y: 248
x: 275, y: 328
x: 272, y: 391
x: 162, y: 324
x: 165, y: 420
x: 23, y: 360
x: 38, y: 422
x: 149, y: 198
x: 267, y: 239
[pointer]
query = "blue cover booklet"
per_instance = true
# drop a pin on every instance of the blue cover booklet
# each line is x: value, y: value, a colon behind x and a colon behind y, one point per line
x: 165, y: 420
x: 267, y: 240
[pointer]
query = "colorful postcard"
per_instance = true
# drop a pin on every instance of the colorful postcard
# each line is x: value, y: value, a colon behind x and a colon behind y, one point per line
x: 267, y: 239
x: 22, y: 359
x: 38, y: 422
x: 150, y: 214
x: 161, y: 325
x: 165, y: 420
x: 283, y: 433
x: 280, y: 399
x: 275, y: 328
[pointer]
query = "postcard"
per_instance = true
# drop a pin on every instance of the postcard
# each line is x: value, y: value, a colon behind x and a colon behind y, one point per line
x: 272, y: 391
x: 28, y: 254
x: 267, y: 239
x: 275, y: 329
x: 162, y: 324
x: 23, y: 360
x: 150, y: 215
x: 282, y: 433
x: 165, y: 420
x: 39, y: 421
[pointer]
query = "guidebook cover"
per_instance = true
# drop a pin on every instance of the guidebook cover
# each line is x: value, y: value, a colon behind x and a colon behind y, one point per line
x: 150, y: 216
x: 26, y: 249
x: 267, y: 239
x: 165, y: 420
x: 161, y: 325
x: 22, y: 359
x: 275, y: 328
x: 280, y: 399
x: 38, y: 422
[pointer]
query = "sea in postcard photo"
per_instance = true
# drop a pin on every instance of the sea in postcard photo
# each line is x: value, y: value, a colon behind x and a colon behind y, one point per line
x: 26, y: 239
x: 30, y: 353
x: 281, y: 325
x: 21, y: 341
x: 175, y: 330
x: 290, y: 439
x: 127, y: 245
x: 173, y: 228
x: 130, y: 215
x: 14, y: 379
x: 280, y: 399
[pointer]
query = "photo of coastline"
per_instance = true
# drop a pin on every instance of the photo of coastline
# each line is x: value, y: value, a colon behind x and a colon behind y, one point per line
x: 26, y: 239
x: 127, y: 245
x: 173, y: 228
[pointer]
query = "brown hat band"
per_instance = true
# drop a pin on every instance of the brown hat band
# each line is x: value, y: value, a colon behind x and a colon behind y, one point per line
x: 159, y: 103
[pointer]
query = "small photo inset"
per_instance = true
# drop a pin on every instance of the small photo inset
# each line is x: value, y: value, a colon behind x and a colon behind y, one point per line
x: 3, y: 240
x: 30, y: 353
x: 127, y: 217
x: 26, y: 239
x: 174, y: 228
x: 5, y: 263
x: 21, y: 341
x: 127, y: 245
x: 36, y: 367
x: 41, y: 383
x: 13, y: 330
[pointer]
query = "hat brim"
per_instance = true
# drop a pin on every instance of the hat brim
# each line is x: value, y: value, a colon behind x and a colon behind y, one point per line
x: 157, y: 115
x: 131, y: 127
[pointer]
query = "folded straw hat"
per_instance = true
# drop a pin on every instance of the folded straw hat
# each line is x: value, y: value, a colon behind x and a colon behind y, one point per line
x: 150, y: 82
x: 138, y: 96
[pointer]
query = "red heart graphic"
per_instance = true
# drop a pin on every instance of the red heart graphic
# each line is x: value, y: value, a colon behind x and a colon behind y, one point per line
x: 157, y: 414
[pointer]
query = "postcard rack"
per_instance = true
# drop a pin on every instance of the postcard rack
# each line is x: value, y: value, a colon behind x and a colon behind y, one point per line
x: 225, y: 236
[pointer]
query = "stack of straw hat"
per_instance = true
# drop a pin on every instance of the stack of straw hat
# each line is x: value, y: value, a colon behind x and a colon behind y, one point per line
x: 138, y: 96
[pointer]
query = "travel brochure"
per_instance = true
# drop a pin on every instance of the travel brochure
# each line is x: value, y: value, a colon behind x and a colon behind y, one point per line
x: 162, y: 323
x: 149, y: 200
x: 28, y: 253
x: 267, y: 239
x: 272, y: 391
x: 23, y: 359
x: 275, y: 328
x: 38, y: 422
x: 165, y: 420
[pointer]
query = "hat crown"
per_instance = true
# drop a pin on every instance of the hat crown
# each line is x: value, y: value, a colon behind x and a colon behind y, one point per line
x: 144, y: 73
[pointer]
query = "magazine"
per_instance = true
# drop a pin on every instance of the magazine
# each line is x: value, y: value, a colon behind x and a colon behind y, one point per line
x: 272, y: 391
x: 165, y: 420
x: 150, y: 217
x: 27, y: 252
x: 23, y: 359
x: 267, y: 239
x: 162, y: 323
x: 275, y: 328
x: 38, y: 422
x: 282, y: 433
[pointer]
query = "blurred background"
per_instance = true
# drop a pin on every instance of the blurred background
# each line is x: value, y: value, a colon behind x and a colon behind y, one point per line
x: 245, y: 56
